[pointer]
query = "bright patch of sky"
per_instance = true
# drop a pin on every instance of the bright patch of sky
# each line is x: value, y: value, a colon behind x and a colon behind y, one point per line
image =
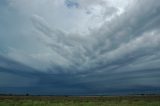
x: 71, y: 4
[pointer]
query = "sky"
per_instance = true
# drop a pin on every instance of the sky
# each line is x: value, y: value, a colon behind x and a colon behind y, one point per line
x: 79, y: 47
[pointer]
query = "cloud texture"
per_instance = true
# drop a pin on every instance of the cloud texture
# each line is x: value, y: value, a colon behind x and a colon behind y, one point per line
x: 81, y: 46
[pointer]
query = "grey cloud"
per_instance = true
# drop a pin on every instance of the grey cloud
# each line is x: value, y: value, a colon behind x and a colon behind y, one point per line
x: 116, y: 46
x: 19, y: 76
x: 15, y: 74
x: 123, y: 53
x: 121, y: 35
x: 121, y: 31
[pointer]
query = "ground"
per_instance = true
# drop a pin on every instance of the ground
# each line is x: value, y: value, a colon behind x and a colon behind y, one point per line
x: 80, y: 100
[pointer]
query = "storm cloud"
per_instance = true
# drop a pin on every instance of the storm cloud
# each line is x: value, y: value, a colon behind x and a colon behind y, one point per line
x: 79, y: 47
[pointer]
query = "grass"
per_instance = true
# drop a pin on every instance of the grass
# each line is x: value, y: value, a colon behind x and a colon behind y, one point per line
x: 79, y: 101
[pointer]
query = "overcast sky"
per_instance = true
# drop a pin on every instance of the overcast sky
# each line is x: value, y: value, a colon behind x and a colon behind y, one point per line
x: 79, y: 46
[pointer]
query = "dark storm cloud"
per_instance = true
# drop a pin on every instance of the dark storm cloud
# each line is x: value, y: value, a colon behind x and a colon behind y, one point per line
x: 18, y: 78
x: 123, y: 54
x: 114, y: 52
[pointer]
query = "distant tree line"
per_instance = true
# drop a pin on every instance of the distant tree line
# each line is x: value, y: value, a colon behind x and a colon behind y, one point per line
x: 27, y: 94
x: 10, y: 94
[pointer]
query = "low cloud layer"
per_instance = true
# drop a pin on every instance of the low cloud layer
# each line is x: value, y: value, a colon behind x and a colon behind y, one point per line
x: 84, y: 46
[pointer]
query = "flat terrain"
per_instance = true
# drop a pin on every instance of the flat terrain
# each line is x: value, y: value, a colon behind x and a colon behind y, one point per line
x: 79, y: 100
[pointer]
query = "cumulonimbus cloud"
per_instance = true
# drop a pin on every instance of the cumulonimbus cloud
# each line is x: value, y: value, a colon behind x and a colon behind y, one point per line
x: 124, y: 42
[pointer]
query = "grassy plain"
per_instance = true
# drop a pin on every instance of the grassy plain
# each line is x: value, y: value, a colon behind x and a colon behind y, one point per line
x: 80, y: 101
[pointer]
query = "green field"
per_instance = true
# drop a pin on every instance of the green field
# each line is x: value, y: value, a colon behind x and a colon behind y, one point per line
x: 79, y: 101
